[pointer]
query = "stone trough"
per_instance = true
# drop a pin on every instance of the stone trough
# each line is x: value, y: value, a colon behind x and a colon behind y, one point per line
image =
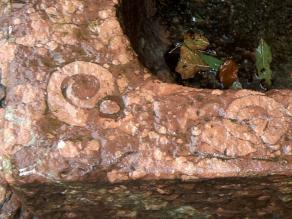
x: 88, y: 132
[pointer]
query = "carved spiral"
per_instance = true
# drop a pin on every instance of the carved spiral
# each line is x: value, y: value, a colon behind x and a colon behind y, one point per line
x: 266, y: 117
x: 252, y: 123
x: 76, y: 88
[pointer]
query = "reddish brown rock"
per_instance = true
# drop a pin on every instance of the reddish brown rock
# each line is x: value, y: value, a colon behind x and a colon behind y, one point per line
x: 10, y: 205
x: 132, y: 146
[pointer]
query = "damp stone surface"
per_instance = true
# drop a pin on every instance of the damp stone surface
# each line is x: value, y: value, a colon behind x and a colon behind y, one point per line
x: 87, y: 131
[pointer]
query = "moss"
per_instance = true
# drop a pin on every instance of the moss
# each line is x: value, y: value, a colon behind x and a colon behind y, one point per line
x: 6, y: 165
x: 93, y: 26
x: 12, y: 117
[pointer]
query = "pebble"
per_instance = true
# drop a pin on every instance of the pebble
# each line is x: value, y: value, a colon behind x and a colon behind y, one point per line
x: 109, y: 107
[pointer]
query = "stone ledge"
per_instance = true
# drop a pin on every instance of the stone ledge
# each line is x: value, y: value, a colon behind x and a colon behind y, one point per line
x: 58, y: 132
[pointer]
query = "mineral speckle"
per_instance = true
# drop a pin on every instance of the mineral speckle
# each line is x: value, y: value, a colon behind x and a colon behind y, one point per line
x: 84, y: 122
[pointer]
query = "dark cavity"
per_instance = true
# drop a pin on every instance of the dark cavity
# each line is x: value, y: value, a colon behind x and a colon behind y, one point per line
x: 233, y: 28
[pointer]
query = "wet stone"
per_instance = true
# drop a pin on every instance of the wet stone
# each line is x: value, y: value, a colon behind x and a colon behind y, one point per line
x: 109, y: 107
x: 85, y: 86
x: 3, y: 194
x: 2, y: 95
x: 89, y: 139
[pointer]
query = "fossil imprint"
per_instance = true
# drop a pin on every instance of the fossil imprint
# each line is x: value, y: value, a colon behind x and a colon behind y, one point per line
x: 76, y: 88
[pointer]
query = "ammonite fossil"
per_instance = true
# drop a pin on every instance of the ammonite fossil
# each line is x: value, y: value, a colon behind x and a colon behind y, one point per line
x: 76, y: 88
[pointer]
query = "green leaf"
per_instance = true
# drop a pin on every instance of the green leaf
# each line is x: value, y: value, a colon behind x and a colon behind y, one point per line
x: 213, y: 62
x: 263, y: 62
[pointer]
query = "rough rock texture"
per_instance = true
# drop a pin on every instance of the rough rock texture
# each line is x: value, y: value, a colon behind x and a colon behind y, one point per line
x: 87, y: 131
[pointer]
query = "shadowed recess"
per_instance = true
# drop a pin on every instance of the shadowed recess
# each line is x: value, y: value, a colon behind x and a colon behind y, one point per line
x: 234, y: 30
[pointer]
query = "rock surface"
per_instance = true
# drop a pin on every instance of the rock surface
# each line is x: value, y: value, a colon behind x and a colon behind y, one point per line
x: 87, y: 131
